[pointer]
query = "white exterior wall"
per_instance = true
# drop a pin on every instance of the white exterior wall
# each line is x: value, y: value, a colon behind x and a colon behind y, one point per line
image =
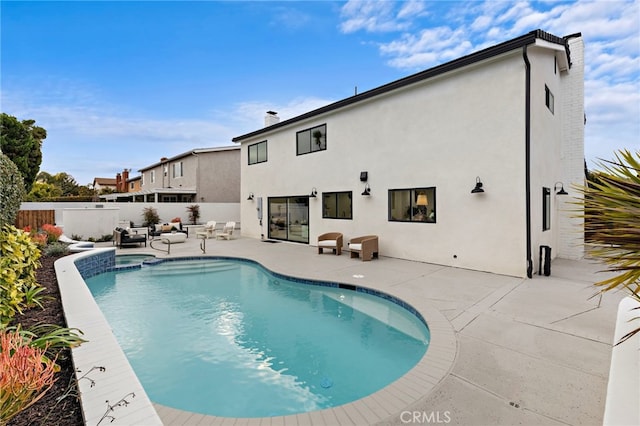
x: 440, y: 133
x: 86, y: 219
x: 571, y: 240
x: 557, y: 151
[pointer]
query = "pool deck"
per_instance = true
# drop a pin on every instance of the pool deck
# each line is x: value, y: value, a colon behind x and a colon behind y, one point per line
x: 504, y: 350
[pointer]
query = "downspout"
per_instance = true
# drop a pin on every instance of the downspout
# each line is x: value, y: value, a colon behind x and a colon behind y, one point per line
x: 527, y: 148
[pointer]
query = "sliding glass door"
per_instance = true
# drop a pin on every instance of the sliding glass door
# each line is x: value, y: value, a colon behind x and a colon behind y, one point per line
x: 289, y: 219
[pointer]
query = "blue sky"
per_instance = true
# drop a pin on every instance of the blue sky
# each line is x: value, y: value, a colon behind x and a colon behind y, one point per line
x: 120, y: 84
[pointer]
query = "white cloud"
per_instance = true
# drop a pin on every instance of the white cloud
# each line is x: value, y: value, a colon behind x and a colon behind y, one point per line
x: 374, y: 16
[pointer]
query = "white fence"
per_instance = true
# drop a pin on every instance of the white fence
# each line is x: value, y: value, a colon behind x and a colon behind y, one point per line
x: 94, y: 220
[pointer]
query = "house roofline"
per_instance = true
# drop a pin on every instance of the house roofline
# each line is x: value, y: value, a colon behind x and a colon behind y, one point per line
x: 481, y: 55
x: 189, y: 153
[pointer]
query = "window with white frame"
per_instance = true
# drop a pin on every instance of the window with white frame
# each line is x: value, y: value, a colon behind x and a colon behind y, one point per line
x: 258, y: 152
x: 153, y: 176
x: 311, y: 140
x: 177, y: 169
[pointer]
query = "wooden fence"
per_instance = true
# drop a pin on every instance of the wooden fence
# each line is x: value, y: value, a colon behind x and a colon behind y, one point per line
x: 35, y: 218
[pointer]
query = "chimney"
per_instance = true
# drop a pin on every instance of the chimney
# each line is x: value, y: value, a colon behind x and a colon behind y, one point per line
x: 118, y: 182
x: 271, y: 118
x: 125, y: 178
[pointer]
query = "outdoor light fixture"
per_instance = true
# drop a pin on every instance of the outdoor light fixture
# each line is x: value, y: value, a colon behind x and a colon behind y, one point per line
x: 367, y: 190
x: 562, y: 191
x: 250, y: 196
x: 478, y: 189
x: 313, y: 193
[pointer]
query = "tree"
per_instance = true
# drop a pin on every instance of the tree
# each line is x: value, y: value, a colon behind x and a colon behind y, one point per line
x: 21, y: 141
x: 611, y: 209
x: 11, y: 191
x: 42, y: 191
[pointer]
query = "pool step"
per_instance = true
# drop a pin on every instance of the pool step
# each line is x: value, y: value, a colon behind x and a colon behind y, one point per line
x: 183, y: 268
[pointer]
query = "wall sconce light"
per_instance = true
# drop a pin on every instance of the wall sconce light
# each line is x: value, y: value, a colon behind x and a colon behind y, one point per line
x: 367, y: 190
x: 313, y: 193
x: 364, y: 176
x: 478, y: 189
x: 562, y: 191
x: 250, y: 197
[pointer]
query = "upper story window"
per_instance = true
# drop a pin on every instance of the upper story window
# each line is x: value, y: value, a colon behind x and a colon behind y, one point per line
x: 548, y: 98
x: 131, y: 185
x: 258, y: 152
x: 142, y: 179
x: 337, y: 205
x: 153, y: 176
x: 177, y: 169
x: 412, y: 205
x: 311, y: 140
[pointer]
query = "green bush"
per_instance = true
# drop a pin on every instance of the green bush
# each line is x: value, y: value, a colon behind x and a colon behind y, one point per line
x: 19, y: 259
x: 11, y: 190
x: 55, y: 249
x: 150, y: 216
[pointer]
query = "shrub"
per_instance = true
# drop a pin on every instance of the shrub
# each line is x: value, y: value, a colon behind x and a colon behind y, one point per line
x: 19, y: 259
x: 56, y: 249
x: 26, y: 374
x: 52, y: 231
x: 150, y: 216
x: 11, y: 190
x: 194, y: 213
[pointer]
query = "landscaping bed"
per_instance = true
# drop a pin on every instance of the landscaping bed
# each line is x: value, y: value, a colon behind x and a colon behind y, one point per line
x: 60, y: 406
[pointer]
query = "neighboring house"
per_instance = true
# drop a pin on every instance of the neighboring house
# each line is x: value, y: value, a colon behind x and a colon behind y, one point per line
x: 456, y: 165
x: 100, y: 184
x: 134, y: 184
x: 201, y: 175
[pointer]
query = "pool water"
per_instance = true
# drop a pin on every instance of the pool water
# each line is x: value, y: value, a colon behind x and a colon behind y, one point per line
x: 228, y: 338
x: 132, y: 259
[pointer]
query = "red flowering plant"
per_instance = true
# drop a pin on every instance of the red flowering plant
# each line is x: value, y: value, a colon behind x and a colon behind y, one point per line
x: 52, y: 232
x: 26, y: 374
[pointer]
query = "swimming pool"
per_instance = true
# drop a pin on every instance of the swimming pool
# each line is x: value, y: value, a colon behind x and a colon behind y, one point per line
x: 228, y: 338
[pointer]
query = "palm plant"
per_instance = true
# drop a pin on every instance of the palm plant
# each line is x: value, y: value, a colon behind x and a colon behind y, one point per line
x: 611, y: 215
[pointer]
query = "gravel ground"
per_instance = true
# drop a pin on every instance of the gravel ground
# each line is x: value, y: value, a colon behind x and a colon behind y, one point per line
x: 54, y: 408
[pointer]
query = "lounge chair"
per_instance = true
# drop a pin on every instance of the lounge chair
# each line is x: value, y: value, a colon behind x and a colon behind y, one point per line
x: 227, y: 231
x: 209, y: 230
x: 124, y: 238
x: 365, y: 247
x: 330, y: 240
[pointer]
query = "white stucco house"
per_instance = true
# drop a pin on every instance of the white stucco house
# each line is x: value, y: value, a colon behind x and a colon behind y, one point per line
x: 405, y: 161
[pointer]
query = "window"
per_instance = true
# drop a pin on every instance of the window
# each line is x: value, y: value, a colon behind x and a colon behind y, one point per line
x: 177, y: 169
x: 546, y: 209
x: 153, y: 176
x: 311, y: 140
x: 548, y: 99
x: 166, y: 169
x: 337, y: 205
x: 412, y: 205
x: 258, y: 152
x: 131, y: 185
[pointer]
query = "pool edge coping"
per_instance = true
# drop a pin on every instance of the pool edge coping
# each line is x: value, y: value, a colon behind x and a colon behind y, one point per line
x: 82, y: 312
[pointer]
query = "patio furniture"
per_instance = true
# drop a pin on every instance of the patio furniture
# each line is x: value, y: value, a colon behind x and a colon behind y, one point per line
x: 173, y: 237
x: 227, y: 231
x: 209, y: 230
x: 330, y: 240
x: 122, y: 238
x: 365, y: 247
x: 155, y: 230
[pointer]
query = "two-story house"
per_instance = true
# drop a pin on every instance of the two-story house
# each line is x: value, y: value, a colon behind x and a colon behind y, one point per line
x: 201, y: 175
x: 464, y: 164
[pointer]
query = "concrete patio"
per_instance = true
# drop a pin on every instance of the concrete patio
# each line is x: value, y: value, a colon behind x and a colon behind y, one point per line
x: 527, y: 351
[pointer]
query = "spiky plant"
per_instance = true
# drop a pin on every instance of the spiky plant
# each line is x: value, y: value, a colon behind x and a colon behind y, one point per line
x: 612, y: 223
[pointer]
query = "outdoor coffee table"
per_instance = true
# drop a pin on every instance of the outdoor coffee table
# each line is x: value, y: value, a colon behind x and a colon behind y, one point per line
x: 173, y: 238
